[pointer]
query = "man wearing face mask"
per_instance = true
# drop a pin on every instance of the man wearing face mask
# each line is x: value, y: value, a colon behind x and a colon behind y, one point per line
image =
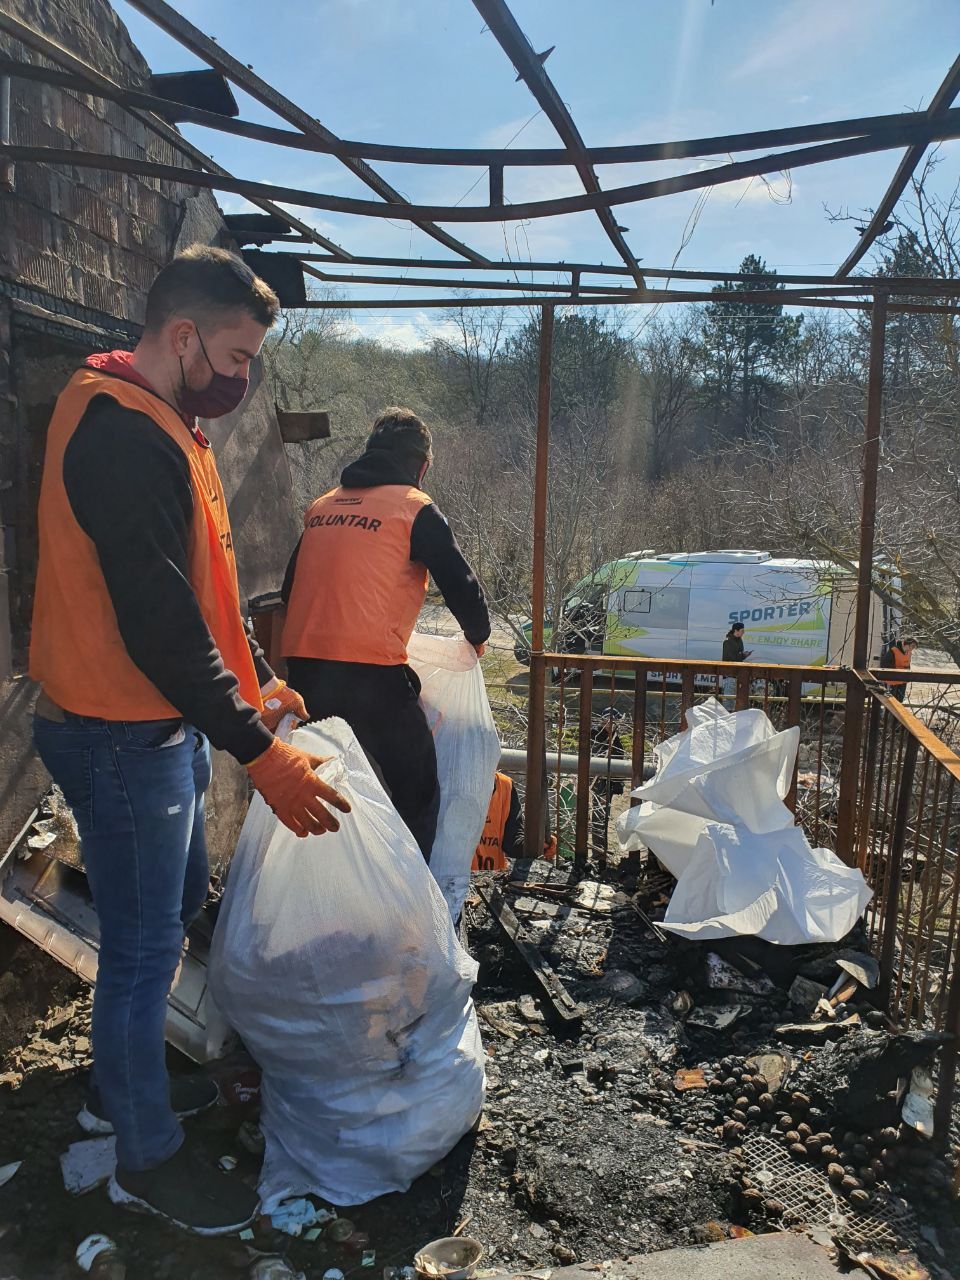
x: 354, y: 587
x: 144, y: 658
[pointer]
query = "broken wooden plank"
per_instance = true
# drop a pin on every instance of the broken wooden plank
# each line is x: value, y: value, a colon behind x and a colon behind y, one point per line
x: 563, y: 1004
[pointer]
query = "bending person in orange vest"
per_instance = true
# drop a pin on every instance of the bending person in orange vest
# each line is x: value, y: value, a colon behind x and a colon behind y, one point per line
x: 354, y: 588
x: 899, y: 655
x: 503, y: 830
x: 145, y: 660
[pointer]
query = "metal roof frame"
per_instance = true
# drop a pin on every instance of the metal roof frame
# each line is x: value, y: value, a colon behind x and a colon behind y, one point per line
x: 794, y: 147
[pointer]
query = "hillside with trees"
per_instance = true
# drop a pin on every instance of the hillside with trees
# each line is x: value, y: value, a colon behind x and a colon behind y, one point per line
x: 684, y: 428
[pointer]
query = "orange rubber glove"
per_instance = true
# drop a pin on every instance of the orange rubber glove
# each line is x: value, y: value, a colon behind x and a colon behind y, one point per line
x: 285, y: 778
x: 550, y: 849
x: 280, y: 700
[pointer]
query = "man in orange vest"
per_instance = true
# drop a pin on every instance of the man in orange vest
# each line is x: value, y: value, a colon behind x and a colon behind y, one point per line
x: 354, y: 588
x: 899, y: 655
x: 503, y: 830
x: 144, y: 660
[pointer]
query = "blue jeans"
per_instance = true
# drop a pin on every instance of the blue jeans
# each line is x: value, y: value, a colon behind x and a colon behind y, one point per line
x: 136, y: 790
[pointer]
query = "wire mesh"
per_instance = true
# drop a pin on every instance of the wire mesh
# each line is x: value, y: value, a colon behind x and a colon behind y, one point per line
x: 809, y: 1198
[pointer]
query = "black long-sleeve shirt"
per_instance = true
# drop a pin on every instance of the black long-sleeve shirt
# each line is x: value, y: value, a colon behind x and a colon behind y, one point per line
x: 733, y: 649
x: 432, y: 544
x: 129, y: 488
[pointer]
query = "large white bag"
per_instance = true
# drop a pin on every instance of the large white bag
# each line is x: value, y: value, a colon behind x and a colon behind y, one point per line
x: 336, y: 960
x: 454, y: 698
x: 771, y: 886
x: 726, y: 767
x: 714, y: 815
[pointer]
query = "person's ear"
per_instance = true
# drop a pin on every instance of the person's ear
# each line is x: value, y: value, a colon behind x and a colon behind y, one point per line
x: 181, y: 336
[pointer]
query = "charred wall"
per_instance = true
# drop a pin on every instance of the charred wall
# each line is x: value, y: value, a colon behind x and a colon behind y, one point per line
x: 78, y: 251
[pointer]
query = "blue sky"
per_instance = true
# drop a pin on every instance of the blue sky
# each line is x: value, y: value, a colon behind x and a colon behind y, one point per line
x: 426, y: 72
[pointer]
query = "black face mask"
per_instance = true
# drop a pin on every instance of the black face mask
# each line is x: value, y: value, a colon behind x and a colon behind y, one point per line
x: 222, y: 396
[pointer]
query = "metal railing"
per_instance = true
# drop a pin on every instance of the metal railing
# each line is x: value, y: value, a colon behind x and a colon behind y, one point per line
x: 597, y: 706
x: 872, y: 782
x: 907, y: 842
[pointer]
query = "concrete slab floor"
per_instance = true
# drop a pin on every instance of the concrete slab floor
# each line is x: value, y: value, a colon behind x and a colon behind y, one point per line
x: 783, y: 1255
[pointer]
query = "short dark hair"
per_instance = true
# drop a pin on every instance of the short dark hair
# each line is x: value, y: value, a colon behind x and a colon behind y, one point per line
x: 909, y: 640
x: 208, y: 283
x: 402, y: 432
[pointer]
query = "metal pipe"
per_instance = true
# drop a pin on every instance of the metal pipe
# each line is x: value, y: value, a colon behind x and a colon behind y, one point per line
x: 6, y: 166
x: 890, y: 906
x: 534, y: 815
x: 871, y: 463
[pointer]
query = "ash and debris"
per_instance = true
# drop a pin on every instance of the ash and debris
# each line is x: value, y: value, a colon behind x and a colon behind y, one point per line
x: 679, y: 1114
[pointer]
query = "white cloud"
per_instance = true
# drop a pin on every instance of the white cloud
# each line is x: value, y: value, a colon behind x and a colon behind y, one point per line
x: 773, y: 188
x: 405, y: 331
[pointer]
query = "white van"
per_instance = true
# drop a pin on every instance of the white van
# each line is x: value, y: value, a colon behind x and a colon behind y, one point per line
x: 682, y: 604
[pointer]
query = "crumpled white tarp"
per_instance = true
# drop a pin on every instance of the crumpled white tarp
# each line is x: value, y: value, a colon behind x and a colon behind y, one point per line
x: 714, y: 815
x: 454, y: 698
x: 336, y: 960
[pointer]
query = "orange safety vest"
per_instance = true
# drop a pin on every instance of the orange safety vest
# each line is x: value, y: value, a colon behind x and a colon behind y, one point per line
x: 901, y: 661
x: 76, y: 649
x: 356, y: 593
x: 489, y: 855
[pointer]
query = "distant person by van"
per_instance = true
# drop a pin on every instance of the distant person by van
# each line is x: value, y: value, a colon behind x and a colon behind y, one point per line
x: 733, y: 651
x: 899, y: 655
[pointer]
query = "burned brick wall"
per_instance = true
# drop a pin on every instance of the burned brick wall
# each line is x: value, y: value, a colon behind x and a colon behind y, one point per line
x: 78, y: 251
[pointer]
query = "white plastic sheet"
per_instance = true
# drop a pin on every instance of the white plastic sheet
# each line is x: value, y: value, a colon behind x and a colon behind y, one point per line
x: 714, y: 815
x: 774, y: 886
x: 454, y: 698
x: 336, y: 960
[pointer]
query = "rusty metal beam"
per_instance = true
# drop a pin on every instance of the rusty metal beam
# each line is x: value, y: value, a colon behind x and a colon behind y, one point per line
x: 530, y: 69
x: 868, y: 284
x: 798, y: 298
x: 96, y: 81
x: 192, y: 38
x: 947, y: 127
x: 850, y: 798
x: 938, y: 108
x: 754, y: 670
x: 613, y: 298
x: 944, y: 756
x: 512, y: 286
x: 479, y: 157
x: 561, y: 1002
x: 868, y: 490
x: 533, y: 829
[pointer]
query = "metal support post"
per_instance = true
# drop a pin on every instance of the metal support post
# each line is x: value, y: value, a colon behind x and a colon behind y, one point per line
x: 534, y: 811
x: 890, y: 907
x: 853, y: 715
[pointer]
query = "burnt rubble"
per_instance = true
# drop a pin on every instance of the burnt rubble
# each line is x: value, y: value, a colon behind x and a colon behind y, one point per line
x: 704, y: 1095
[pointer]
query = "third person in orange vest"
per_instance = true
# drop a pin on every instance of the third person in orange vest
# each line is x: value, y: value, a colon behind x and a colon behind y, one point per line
x: 899, y: 655
x: 502, y: 837
x: 354, y: 589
